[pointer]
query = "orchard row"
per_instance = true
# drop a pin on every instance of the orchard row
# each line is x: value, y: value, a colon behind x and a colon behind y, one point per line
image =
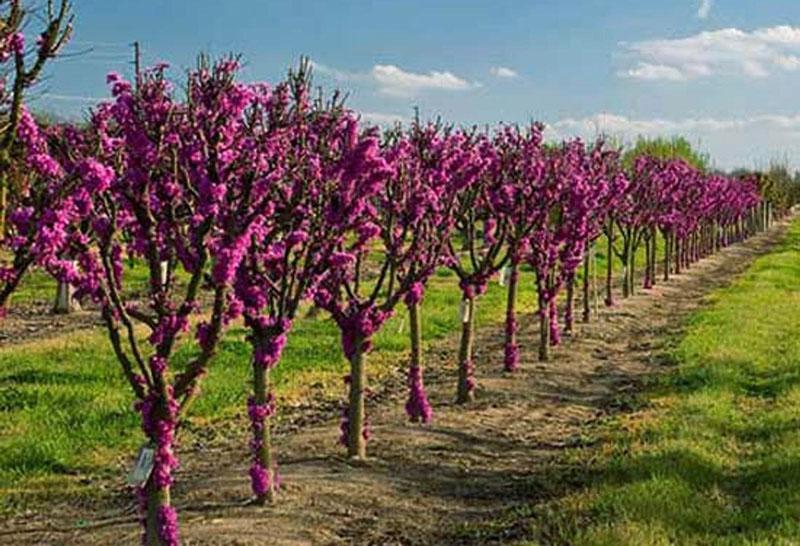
x: 246, y: 200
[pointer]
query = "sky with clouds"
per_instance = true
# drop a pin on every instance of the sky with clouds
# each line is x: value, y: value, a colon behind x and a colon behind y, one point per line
x: 724, y: 73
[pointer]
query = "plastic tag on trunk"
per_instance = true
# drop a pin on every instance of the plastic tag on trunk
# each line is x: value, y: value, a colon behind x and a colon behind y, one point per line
x: 143, y: 467
x: 505, y: 274
x: 164, y: 273
x: 464, y: 311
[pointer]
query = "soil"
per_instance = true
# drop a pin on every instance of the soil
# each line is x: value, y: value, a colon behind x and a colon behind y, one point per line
x: 422, y: 484
x: 35, y: 320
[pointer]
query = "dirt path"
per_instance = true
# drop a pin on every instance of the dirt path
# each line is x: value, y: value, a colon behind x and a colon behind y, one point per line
x: 425, y: 485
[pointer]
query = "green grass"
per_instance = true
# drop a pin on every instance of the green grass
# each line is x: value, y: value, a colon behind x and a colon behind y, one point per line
x: 714, y: 459
x: 65, y: 410
x: 38, y: 286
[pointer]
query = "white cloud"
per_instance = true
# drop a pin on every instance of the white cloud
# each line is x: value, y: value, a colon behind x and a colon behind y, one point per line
x: 705, y: 8
x: 625, y: 127
x: 730, y: 51
x: 750, y: 141
x: 503, y: 72
x: 647, y: 71
x: 72, y: 98
x: 382, y: 119
x: 336, y: 74
x: 393, y: 80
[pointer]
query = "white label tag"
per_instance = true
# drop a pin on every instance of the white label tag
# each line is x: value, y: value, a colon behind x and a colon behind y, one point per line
x: 401, y: 325
x: 464, y: 311
x: 164, y: 272
x: 505, y: 274
x: 143, y: 467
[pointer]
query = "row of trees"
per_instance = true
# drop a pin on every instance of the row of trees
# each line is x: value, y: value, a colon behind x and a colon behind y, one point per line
x: 244, y: 200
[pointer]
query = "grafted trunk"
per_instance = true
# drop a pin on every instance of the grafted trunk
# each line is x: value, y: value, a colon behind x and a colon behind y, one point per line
x: 570, y: 304
x: 544, y: 319
x: 159, y: 414
x: 417, y: 407
x: 158, y: 500
x: 65, y: 301
x: 587, y: 309
x: 610, y: 266
x: 466, y: 381
x: 653, y: 257
x: 356, y: 437
x: 262, y: 439
x: 511, y: 360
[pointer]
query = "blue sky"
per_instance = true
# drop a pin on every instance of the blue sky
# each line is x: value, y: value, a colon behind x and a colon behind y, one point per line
x: 725, y: 73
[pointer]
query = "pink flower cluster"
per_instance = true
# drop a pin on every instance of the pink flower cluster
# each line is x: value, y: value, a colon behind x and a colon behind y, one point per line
x: 264, y: 199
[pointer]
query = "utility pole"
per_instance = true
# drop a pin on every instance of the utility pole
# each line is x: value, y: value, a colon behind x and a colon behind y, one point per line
x: 137, y: 63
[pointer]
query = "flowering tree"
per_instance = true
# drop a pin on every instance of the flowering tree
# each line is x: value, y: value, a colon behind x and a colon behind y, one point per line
x: 44, y: 206
x: 432, y: 168
x: 484, y: 231
x: 520, y: 166
x: 315, y: 214
x: 26, y: 64
x: 556, y: 235
x: 175, y: 183
x: 638, y: 214
x: 32, y: 184
x: 409, y: 213
x: 355, y: 308
x: 608, y: 178
x: 595, y: 185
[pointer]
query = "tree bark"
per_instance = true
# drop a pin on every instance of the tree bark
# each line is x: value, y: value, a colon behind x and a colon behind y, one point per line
x: 65, y: 303
x: 587, y: 309
x: 610, y: 266
x: 653, y: 257
x: 544, y: 319
x: 356, y: 442
x: 466, y: 382
x: 511, y: 360
x: 263, y: 435
x: 415, y: 332
x: 157, y: 498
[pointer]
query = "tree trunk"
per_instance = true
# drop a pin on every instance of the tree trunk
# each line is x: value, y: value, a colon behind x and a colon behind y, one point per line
x: 65, y: 302
x: 161, y: 520
x: 4, y: 166
x: 262, y: 437
x: 653, y: 257
x: 356, y: 441
x: 415, y: 332
x: 544, y: 319
x: 625, y: 276
x: 570, y: 304
x: 587, y: 309
x: 631, y: 271
x: 466, y: 381
x: 157, y: 500
x: 511, y: 361
x: 610, y: 267
x: 417, y: 407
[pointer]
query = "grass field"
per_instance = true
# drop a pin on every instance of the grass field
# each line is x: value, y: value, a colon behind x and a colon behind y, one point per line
x: 714, y: 458
x: 65, y: 411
